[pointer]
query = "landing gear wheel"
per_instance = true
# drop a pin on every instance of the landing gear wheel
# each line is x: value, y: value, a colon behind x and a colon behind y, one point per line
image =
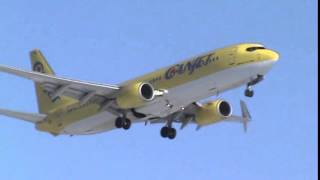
x: 119, y: 122
x: 122, y: 122
x: 172, y: 133
x: 164, y: 132
x: 249, y: 93
x: 126, y: 124
x: 168, y: 132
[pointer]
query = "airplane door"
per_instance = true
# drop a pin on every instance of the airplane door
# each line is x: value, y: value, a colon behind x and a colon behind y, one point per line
x: 259, y: 56
x: 232, y: 56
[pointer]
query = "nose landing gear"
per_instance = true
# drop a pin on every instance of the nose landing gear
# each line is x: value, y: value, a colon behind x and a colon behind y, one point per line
x: 249, y: 90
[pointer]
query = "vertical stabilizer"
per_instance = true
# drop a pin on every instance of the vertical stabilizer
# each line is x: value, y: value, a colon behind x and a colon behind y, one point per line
x: 45, y: 103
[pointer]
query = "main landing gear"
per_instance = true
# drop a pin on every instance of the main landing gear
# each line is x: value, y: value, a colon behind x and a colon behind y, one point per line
x: 123, y: 122
x: 249, y: 90
x: 168, y: 132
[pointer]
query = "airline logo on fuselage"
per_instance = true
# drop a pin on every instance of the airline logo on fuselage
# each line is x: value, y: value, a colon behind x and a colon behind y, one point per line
x: 190, y: 67
x: 38, y: 67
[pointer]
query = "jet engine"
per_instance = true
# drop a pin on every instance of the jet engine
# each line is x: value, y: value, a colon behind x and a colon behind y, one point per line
x: 135, y: 95
x: 213, y: 112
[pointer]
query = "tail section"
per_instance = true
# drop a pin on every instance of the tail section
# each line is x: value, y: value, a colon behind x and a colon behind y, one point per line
x: 39, y: 63
x: 45, y: 103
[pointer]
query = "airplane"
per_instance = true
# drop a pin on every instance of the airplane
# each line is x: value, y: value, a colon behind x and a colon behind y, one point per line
x: 167, y: 96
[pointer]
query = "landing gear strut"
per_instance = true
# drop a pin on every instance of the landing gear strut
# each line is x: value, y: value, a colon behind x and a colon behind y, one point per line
x: 168, y: 131
x: 249, y: 91
x: 123, y: 122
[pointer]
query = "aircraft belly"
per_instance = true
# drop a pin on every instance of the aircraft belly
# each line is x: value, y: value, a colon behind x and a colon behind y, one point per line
x: 101, y: 122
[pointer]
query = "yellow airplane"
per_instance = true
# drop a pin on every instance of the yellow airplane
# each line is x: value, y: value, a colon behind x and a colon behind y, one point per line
x: 167, y: 96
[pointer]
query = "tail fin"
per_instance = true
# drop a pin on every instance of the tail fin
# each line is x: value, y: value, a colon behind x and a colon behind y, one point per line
x: 45, y: 103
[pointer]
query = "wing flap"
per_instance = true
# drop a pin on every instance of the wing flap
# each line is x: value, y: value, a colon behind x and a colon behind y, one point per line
x: 30, y: 117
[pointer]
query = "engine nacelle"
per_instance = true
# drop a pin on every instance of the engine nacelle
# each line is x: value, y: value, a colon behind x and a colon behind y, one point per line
x: 135, y: 95
x: 212, y: 112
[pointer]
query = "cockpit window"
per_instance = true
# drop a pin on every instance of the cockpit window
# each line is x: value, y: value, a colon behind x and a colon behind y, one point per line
x: 251, y: 49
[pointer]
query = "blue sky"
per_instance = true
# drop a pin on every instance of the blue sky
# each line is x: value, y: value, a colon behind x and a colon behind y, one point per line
x: 112, y: 41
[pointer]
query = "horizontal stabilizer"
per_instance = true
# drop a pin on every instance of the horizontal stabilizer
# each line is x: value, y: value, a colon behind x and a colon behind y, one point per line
x: 30, y: 117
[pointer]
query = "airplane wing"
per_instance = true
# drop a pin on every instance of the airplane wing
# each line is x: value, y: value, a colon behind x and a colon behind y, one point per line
x: 57, y: 86
x: 186, y: 116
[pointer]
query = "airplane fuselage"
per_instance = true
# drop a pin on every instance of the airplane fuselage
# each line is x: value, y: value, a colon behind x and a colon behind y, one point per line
x: 186, y: 82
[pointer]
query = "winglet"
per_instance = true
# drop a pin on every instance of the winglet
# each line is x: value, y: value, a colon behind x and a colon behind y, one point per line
x: 246, y: 117
x: 198, y: 127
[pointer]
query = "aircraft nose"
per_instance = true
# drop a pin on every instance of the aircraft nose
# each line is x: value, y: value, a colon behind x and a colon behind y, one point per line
x: 271, y: 55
